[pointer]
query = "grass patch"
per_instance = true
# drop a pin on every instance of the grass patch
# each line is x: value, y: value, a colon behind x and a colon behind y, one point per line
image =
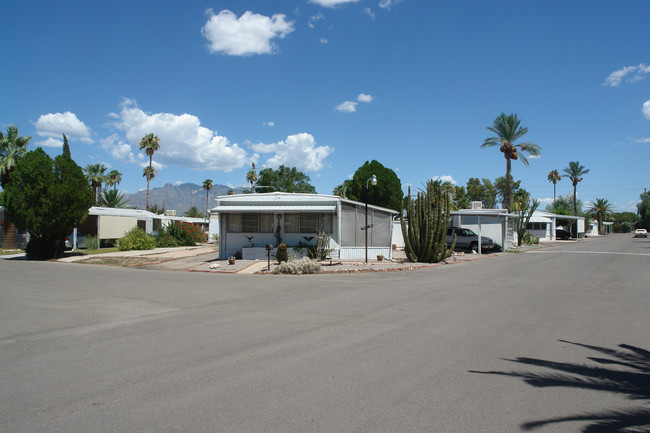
x: 10, y: 252
x: 89, y: 252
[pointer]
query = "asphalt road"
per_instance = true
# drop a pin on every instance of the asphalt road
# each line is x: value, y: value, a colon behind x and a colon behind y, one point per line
x: 483, y: 346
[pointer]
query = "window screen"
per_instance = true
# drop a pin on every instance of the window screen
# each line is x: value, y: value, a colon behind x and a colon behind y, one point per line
x: 308, y: 223
x: 292, y: 223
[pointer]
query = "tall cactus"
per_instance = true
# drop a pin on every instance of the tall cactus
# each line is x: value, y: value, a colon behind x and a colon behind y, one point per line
x: 428, y: 219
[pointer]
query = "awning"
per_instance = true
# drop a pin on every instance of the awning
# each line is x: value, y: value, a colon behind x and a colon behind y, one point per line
x: 275, y: 209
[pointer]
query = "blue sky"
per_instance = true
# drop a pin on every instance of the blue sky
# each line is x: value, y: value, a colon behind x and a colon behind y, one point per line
x: 325, y: 85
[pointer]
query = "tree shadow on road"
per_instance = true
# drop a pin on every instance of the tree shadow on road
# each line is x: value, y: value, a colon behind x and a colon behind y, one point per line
x: 626, y: 371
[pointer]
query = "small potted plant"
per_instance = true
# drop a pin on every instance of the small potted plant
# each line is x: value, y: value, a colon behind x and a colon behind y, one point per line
x: 231, y: 260
x: 380, y: 257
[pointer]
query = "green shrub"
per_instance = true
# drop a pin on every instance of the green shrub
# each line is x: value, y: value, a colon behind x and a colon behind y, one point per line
x: 164, y: 240
x: 497, y: 248
x: 136, y: 239
x: 185, y: 234
x: 281, y: 253
x: 298, y: 267
x: 91, y: 242
x: 529, y: 239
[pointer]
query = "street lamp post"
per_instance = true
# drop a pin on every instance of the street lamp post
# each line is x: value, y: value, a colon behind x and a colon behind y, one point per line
x: 372, y: 180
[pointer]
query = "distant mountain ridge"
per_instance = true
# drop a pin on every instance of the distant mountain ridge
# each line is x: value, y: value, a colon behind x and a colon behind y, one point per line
x: 178, y: 197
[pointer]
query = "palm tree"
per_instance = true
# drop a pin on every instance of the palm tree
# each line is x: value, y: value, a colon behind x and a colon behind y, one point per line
x: 251, y: 177
x: 95, y: 173
x: 575, y: 171
x: 149, y: 172
x: 207, y: 186
x: 507, y: 132
x: 602, y: 210
x: 339, y: 190
x: 554, y: 176
x: 150, y: 143
x: 113, y: 198
x: 113, y: 178
x: 12, y: 148
x: 193, y: 212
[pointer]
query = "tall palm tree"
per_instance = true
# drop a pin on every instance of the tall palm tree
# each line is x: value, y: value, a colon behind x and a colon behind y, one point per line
x: 150, y: 143
x: 554, y: 176
x: 207, y: 186
x: 601, y: 209
x: 251, y: 177
x: 575, y: 171
x: 12, y: 148
x: 113, y: 178
x: 508, y: 131
x: 96, y: 175
x: 149, y: 172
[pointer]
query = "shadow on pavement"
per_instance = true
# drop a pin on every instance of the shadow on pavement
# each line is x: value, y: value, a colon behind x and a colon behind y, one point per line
x: 629, y: 376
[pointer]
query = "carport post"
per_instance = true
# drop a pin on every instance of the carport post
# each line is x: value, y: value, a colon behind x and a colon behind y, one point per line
x: 479, y: 235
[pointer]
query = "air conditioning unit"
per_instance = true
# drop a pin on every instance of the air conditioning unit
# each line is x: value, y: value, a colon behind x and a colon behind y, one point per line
x: 476, y: 205
x: 170, y: 212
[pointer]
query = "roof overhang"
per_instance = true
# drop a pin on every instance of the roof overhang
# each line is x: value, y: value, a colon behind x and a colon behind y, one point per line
x: 275, y: 209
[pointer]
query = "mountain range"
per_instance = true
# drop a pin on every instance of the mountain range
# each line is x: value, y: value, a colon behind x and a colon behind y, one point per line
x: 178, y: 197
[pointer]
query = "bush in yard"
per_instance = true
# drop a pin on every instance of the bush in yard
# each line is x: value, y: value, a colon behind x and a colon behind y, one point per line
x: 298, y: 267
x: 185, y: 234
x: 165, y: 240
x: 136, y: 239
x: 529, y: 239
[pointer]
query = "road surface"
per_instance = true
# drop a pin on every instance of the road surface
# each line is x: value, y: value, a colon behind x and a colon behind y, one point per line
x: 493, y: 345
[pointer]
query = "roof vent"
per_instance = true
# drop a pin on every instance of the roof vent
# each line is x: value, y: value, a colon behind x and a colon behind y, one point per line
x: 476, y: 205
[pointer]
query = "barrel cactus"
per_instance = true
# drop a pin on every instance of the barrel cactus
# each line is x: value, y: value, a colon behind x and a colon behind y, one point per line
x: 281, y: 253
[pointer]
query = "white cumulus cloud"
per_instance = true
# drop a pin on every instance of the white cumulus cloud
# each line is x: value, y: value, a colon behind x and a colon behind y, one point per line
x: 332, y: 3
x: 183, y: 141
x: 445, y: 178
x: 298, y: 151
x: 244, y: 36
x: 634, y: 74
x: 54, y: 125
x: 351, y: 106
x: 370, y: 13
x: 646, y: 109
x: 118, y: 149
x: 347, y: 107
x: 364, y: 98
x: 50, y: 142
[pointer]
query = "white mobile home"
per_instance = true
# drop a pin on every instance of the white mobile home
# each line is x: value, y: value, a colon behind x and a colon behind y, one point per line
x: 249, y: 222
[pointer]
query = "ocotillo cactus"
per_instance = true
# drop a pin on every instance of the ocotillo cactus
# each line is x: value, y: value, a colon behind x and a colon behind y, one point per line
x: 426, y: 230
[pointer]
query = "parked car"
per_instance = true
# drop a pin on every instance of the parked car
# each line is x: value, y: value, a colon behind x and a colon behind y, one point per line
x: 467, y: 239
x: 640, y: 233
x: 81, y: 241
x: 562, y: 234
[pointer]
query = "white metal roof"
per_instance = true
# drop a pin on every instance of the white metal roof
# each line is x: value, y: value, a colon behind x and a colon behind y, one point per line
x: 283, y: 202
x: 114, y: 211
x: 483, y: 212
x: 276, y: 208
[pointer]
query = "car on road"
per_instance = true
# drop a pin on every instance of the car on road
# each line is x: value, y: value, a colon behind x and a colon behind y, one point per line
x: 467, y: 239
x: 562, y: 234
x: 81, y: 241
x: 640, y: 233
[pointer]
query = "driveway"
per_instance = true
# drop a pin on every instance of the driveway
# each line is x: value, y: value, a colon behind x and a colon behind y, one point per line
x: 491, y: 345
